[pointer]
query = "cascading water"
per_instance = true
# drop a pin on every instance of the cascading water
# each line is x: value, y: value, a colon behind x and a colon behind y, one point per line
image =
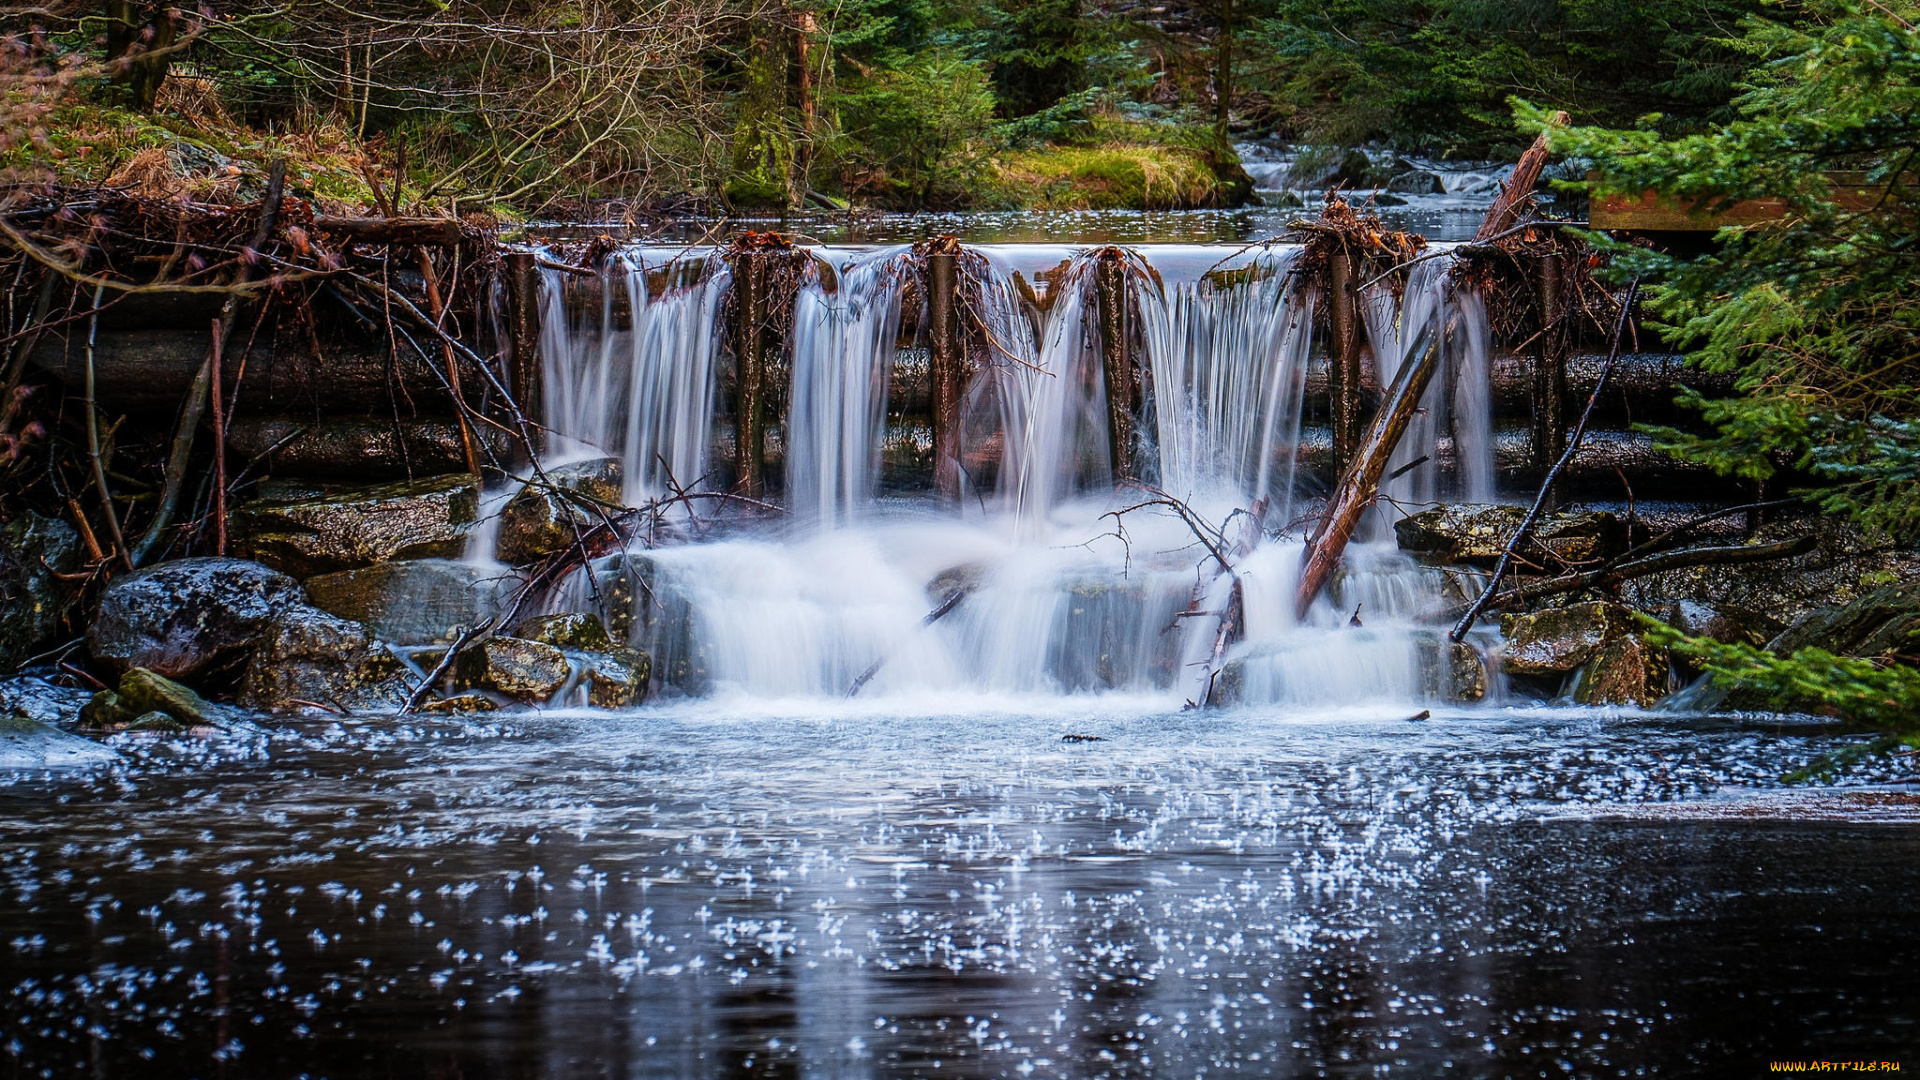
x: 1058, y: 594
x: 635, y: 379
x: 846, y: 320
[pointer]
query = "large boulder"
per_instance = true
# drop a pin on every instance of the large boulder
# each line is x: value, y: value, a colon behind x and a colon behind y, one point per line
x: 527, y: 670
x: 617, y: 678
x: 413, y: 601
x: 1597, y: 644
x: 410, y: 519
x: 1477, y: 533
x: 309, y: 656
x: 547, y: 516
x: 1417, y: 182
x: 184, y: 618
x: 33, y: 602
x: 1457, y: 672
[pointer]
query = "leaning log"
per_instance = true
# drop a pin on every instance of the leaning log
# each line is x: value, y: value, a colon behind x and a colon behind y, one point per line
x: 1361, y: 482
x: 1518, y: 189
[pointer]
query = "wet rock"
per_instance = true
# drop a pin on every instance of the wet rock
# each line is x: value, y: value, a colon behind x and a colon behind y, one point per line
x: 26, y: 743
x: 308, y: 655
x: 352, y: 527
x: 541, y: 520
x: 617, y: 678
x: 527, y: 670
x: 33, y: 603
x: 40, y: 700
x: 1477, y: 533
x: 1558, y: 640
x: 1461, y: 671
x: 184, y: 618
x: 573, y: 630
x: 413, y: 601
x: 157, y: 721
x: 1880, y: 623
x: 1626, y: 670
x: 141, y: 694
x: 469, y: 702
x: 1845, y: 566
x: 1417, y: 182
x: 1723, y: 623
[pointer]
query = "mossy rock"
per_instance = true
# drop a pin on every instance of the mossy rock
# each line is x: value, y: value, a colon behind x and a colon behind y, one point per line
x: 548, y: 516
x: 188, y: 616
x: 308, y: 655
x: 573, y: 630
x: 529, y: 671
x: 142, y: 695
x: 617, y: 678
x: 1626, y: 670
x: 1477, y: 534
x: 468, y: 702
x: 353, y: 527
x: 412, y: 601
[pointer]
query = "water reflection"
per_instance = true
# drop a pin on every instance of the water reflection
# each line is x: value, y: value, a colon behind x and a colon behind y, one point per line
x: 699, y: 892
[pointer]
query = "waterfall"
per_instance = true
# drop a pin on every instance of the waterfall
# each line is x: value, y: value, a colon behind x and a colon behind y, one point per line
x: 637, y: 379
x: 845, y: 322
x: 1229, y: 367
x: 1060, y: 595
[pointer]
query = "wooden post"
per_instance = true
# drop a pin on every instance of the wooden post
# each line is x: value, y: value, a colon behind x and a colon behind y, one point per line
x: 1345, y: 395
x: 946, y: 364
x: 750, y: 273
x: 1548, y: 392
x: 1110, y: 300
x: 524, y: 377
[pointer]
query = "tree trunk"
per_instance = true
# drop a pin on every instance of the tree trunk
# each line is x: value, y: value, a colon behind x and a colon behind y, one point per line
x: 1110, y: 301
x: 948, y: 372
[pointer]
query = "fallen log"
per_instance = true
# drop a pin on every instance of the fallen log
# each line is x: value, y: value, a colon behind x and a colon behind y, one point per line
x: 1607, y: 578
x: 1362, y: 479
x: 441, y: 232
x: 1512, y: 200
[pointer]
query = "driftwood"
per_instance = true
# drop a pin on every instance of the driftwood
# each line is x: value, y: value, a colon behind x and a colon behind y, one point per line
x: 1608, y: 577
x: 1362, y: 479
x: 1546, y: 486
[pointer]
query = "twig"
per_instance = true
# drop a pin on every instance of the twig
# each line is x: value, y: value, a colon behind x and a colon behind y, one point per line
x: 219, y: 452
x: 459, y: 645
x: 932, y: 617
x: 93, y: 441
x: 1546, y: 487
x: 1672, y: 560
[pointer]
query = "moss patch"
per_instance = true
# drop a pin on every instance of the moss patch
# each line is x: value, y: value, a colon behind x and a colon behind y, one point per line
x: 1109, y: 177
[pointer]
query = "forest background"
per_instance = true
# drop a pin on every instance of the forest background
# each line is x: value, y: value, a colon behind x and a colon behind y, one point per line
x: 555, y: 109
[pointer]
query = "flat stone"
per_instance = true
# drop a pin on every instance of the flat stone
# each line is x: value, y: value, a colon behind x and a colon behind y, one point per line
x: 1477, y: 534
x: 411, y: 519
x: 573, y: 630
x: 33, y: 602
x: 184, y: 618
x: 469, y: 702
x: 544, y: 518
x: 1558, y: 640
x: 308, y: 655
x: 413, y: 601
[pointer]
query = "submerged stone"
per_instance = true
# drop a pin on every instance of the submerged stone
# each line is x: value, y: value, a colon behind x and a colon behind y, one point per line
x: 1417, y: 182
x: 1477, y: 534
x: 469, y: 702
x: 26, y: 743
x: 360, y: 526
x: 547, y: 517
x: 413, y: 601
x: 308, y: 655
x: 33, y: 602
x: 184, y: 618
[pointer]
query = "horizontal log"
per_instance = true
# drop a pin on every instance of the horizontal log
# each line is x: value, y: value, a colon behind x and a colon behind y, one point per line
x: 145, y: 374
x: 348, y: 449
x: 1591, y: 474
x: 444, y: 232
